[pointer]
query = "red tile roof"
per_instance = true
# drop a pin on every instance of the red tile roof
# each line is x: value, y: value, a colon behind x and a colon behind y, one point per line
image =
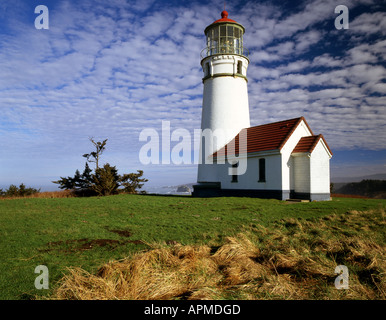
x: 271, y: 136
x: 308, y: 144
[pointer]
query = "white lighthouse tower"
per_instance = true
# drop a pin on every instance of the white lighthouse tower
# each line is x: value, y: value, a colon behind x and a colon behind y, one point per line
x: 225, y: 108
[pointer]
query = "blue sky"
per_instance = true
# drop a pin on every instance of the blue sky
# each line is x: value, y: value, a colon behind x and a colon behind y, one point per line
x: 108, y: 69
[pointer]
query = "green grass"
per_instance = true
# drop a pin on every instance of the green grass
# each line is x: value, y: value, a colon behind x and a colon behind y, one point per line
x: 88, y: 232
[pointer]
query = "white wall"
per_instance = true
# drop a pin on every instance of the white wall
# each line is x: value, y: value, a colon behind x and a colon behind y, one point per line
x: 225, y: 107
x: 250, y: 180
x: 320, y: 169
x: 301, y: 173
x: 301, y: 131
x: 225, y: 98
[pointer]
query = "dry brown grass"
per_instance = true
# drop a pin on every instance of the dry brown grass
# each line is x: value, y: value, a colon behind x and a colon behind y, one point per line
x: 293, y: 259
x: 45, y: 195
x: 54, y: 194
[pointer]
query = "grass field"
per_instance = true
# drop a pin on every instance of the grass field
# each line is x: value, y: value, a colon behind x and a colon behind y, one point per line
x: 89, y: 232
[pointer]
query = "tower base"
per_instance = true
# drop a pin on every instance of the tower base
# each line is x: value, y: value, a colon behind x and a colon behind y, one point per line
x: 213, y: 189
x: 207, y: 189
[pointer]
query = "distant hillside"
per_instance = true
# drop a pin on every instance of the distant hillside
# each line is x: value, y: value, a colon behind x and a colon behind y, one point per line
x: 180, y: 189
x: 378, y: 176
x: 367, y: 188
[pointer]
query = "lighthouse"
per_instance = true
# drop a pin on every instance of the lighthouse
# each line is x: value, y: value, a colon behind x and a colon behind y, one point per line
x: 225, y: 108
x: 281, y: 160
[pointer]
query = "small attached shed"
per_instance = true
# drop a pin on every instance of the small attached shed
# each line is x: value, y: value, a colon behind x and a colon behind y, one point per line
x: 310, y: 169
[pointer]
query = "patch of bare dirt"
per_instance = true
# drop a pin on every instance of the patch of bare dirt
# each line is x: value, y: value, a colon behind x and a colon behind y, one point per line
x: 74, y: 245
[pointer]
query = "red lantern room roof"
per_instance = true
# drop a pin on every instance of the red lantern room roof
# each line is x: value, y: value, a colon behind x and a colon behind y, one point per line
x: 224, y: 18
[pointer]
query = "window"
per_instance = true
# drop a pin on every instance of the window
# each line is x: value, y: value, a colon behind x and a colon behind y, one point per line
x: 262, y: 170
x: 224, y: 38
x: 234, y: 176
x: 240, y: 67
x: 207, y: 69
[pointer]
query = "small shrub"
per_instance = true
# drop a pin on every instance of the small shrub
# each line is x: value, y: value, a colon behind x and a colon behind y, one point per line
x: 21, y: 191
x: 105, y: 181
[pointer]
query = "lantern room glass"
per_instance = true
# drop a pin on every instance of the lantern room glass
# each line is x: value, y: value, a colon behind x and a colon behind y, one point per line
x: 224, y: 38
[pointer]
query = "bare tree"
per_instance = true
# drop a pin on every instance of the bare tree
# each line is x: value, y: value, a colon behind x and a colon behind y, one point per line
x: 94, y: 156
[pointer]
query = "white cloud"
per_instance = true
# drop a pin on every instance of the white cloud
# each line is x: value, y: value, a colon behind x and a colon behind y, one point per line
x: 305, y: 40
x: 369, y: 23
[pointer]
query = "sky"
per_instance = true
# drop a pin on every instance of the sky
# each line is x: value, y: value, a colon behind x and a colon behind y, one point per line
x: 110, y: 69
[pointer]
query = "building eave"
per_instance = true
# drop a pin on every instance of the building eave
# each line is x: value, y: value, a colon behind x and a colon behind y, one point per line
x: 257, y: 154
x: 293, y: 130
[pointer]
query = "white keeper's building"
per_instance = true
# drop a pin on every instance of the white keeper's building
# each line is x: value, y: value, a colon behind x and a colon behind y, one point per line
x: 279, y: 160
